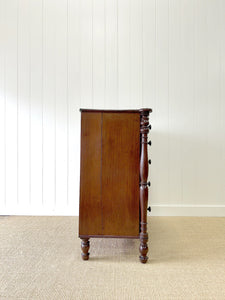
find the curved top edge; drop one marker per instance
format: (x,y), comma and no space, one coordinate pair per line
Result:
(142,110)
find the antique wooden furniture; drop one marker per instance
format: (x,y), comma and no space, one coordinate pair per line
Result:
(113,176)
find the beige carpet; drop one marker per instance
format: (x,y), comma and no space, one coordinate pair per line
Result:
(40,259)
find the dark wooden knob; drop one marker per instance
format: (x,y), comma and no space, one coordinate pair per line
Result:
(149,208)
(149,161)
(150,143)
(150,127)
(149,183)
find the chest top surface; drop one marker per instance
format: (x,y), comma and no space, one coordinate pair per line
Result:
(142,110)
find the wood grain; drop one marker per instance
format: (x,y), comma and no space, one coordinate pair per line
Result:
(120,175)
(109,184)
(90,179)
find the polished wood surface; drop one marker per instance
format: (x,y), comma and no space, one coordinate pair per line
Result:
(138,111)
(90,211)
(120,179)
(108,193)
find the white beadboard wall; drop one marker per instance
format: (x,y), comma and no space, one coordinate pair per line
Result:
(59,55)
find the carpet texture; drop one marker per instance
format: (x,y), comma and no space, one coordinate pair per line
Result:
(40,259)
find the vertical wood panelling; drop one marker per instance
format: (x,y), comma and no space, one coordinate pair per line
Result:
(61,104)
(74,101)
(222,91)
(187,110)
(123,53)
(111,66)
(2,103)
(148,52)
(58,56)
(136,48)
(35,25)
(174,106)
(98,53)
(201,83)
(161,108)
(86,50)
(23,104)
(49,104)
(11,101)
(214,111)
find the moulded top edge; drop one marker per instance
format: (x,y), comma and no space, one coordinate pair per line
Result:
(149,110)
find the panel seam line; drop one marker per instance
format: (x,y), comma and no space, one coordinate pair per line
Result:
(101,177)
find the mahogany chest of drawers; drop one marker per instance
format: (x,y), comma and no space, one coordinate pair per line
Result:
(113,176)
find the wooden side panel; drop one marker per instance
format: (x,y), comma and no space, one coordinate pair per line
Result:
(120,173)
(90,175)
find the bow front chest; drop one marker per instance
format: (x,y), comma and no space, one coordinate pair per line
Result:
(113,176)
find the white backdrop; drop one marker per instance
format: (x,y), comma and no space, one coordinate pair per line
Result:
(57,56)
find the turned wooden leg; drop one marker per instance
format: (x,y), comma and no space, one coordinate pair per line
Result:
(144,129)
(85,245)
(143,234)
(143,246)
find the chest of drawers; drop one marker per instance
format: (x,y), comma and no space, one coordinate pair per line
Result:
(113,176)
